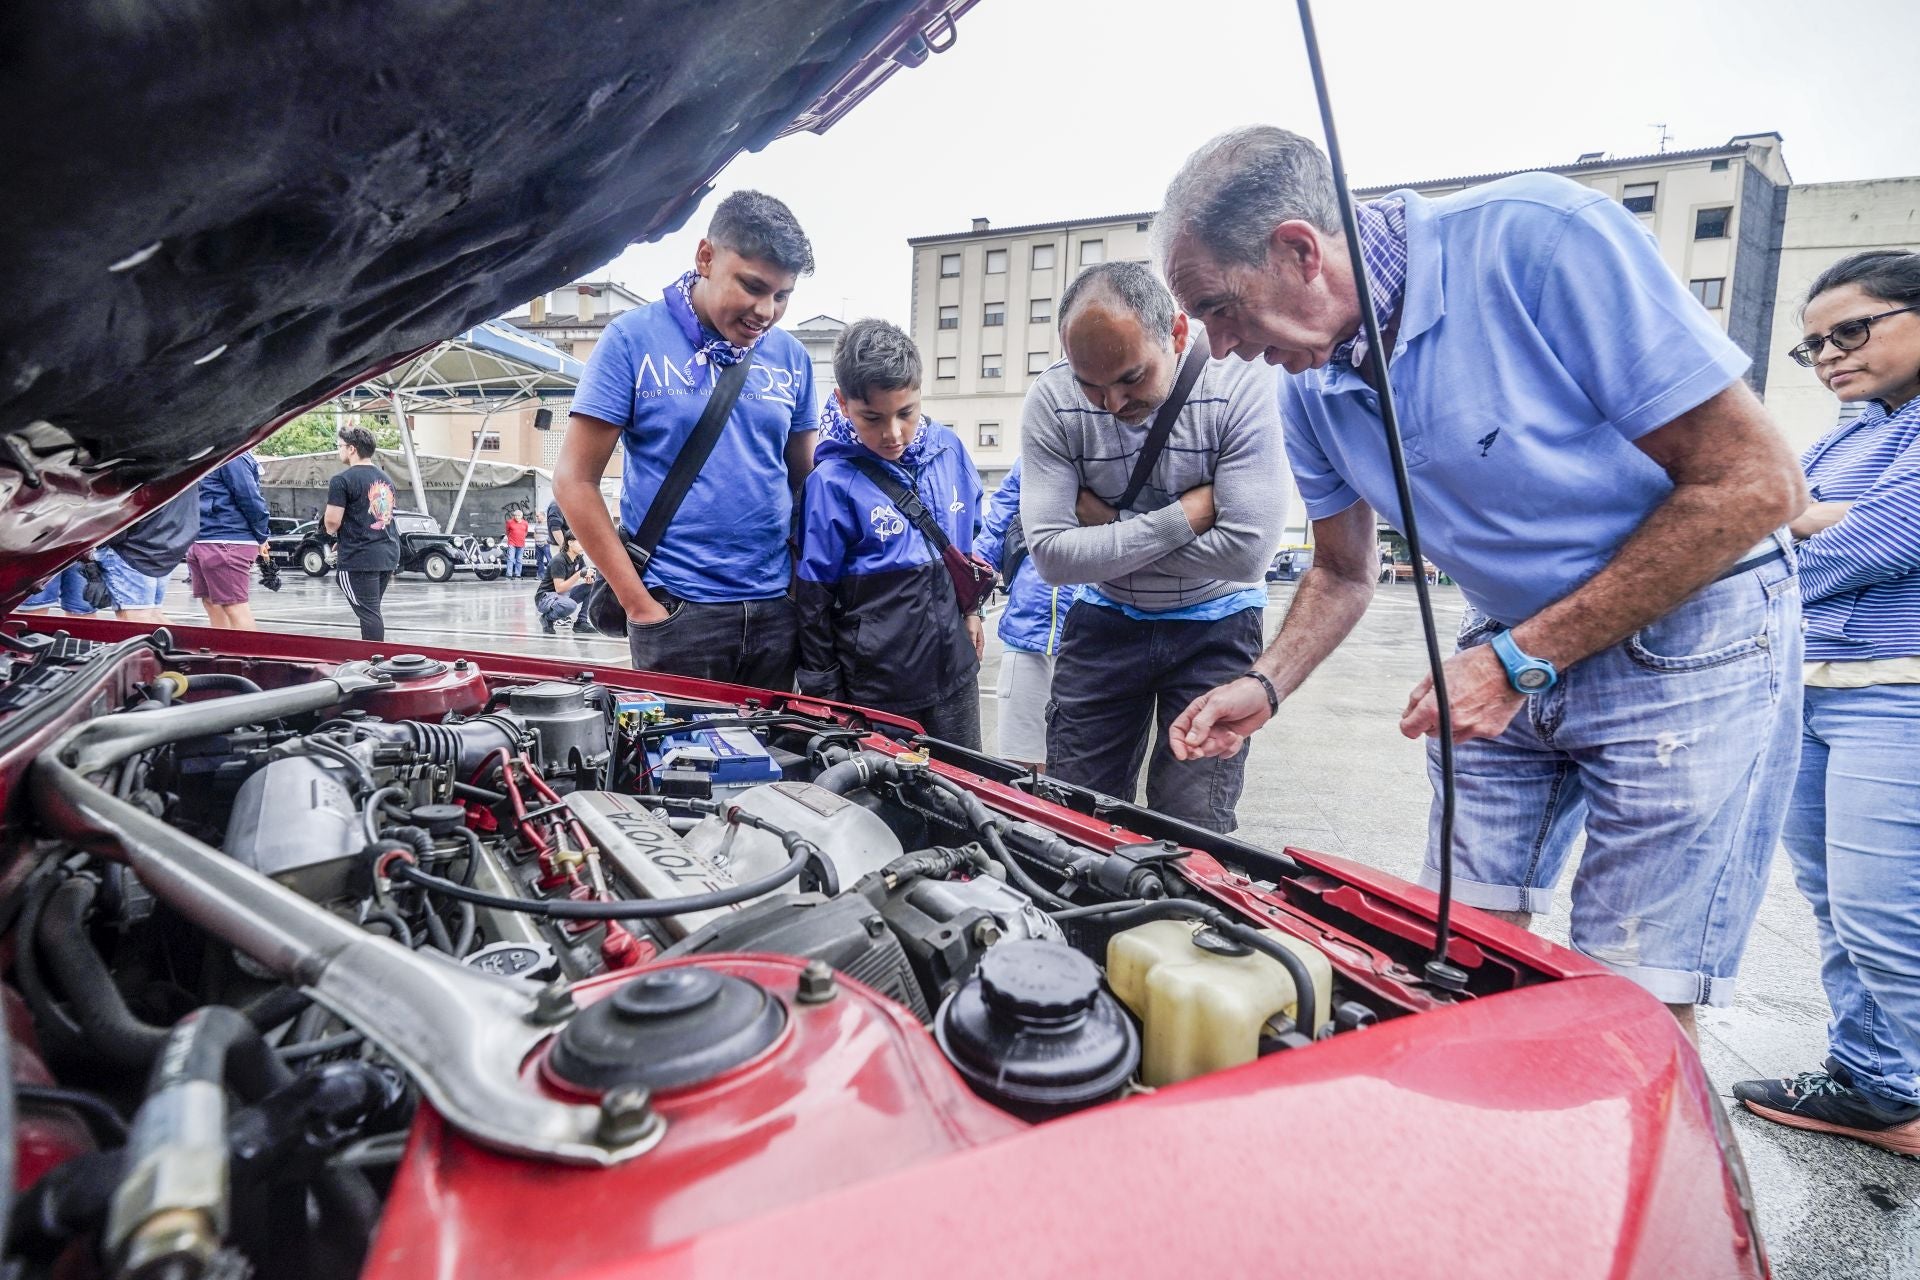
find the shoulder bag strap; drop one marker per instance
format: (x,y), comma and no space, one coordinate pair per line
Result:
(906,501)
(686,467)
(1163,426)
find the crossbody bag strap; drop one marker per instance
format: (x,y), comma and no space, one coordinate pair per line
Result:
(1163,426)
(906,501)
(686,467)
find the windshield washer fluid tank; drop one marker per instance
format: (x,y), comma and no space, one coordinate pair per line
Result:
(1202,999)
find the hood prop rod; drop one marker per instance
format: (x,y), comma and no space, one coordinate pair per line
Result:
(1440,972)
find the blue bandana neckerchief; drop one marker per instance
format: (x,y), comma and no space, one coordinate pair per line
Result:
(835,426)
(708,347)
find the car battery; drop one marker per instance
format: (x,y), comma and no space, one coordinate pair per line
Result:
(711,763)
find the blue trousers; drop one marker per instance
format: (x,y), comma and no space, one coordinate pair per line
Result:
(1853,833)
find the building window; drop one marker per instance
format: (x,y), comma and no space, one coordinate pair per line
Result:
(1708,291)
(1638,196)
(949,317)
(996,262)
(1092,251)
(1043,257)
(1711,224)
(990,367)
(947,367)
(989,435)
(949,264)
(488,441)
(1040,311)
(1037,361)
(1720,165)
(995,315)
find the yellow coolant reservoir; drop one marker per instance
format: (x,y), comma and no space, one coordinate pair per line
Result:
(1200,1009)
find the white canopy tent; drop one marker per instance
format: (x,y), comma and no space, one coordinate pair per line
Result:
(491,368)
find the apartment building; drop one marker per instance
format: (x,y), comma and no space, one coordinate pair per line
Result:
(983,299)
(983,318)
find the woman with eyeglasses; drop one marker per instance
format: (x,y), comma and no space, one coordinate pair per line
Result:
(1853,829)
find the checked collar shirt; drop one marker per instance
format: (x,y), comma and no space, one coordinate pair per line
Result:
(1383,244)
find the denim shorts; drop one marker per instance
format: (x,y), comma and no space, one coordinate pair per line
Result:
(1674,751)
(68,589)
(131,588)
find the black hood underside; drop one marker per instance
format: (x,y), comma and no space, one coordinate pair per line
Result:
(214,213)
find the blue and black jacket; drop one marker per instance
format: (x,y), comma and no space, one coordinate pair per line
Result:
(1035,611)
(879,625)
(231,507)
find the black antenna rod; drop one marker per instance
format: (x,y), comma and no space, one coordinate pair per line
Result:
(1440,972)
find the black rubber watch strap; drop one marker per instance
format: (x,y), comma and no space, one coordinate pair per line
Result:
(1273,694)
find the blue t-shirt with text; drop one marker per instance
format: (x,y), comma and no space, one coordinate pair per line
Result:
(728,541)
(1540,335)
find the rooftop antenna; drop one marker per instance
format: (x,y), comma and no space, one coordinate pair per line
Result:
(1665,137)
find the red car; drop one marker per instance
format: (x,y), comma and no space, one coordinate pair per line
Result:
(327,960)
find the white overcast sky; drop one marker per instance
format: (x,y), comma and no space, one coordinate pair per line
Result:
(1049,109)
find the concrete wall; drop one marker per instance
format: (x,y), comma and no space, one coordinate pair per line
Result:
(1826,222)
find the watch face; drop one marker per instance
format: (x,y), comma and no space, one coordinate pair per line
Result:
(1532,681)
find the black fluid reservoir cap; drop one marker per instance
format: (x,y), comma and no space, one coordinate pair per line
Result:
(409,666)
(1033,1032)
(438,819)
(667,1029)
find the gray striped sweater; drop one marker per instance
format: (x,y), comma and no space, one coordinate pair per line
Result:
(1228,434)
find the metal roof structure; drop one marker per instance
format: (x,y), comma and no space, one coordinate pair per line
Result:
(490,368)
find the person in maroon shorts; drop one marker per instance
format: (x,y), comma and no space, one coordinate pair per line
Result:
(233,534)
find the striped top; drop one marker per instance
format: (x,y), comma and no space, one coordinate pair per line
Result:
(1860,578)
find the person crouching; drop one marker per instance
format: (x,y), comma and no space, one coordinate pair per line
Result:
(880,621)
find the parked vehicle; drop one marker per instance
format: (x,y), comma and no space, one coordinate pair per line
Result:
(326,960)
(424,549)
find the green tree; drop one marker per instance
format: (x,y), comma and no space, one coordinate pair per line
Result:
(313,433)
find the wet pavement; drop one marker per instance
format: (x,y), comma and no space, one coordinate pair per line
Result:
(1334,774)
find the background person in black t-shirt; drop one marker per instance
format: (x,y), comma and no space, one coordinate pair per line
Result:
(563,587)
(360,514)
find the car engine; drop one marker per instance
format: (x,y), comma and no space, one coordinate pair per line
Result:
(374,885)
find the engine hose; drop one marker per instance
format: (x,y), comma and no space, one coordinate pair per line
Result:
(858,771)
(395,925)
(932,864)
(437,936)
(1126,914)
(419,837)
(56,1027)
(334,751)
(106,1023)
(475,852)
(987,826)
(801,849)
(271,1008)
(224,681)
(104,1121)
(469,925)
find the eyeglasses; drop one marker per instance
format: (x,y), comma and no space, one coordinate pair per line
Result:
(1848,335)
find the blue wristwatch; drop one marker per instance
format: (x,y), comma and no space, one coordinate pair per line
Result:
(1527,674)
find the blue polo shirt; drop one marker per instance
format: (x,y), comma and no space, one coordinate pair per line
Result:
(729,539)
(1540,336)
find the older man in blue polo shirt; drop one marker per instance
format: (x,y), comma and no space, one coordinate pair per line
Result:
(1591,470)
(713,600)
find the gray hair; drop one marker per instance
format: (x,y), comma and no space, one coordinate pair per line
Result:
(755,225)
(1231,193)
(1130,284)
(872,355)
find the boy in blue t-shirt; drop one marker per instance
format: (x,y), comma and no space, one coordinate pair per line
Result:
(880,624)
(713,600)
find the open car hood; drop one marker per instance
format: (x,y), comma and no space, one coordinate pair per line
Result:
(218,214)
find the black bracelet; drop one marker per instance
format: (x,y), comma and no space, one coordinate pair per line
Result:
(1273,694)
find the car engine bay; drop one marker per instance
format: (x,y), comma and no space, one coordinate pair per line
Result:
(344,893)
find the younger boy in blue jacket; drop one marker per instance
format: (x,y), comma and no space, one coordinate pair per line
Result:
(880,625)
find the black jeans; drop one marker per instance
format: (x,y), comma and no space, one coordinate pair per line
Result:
(1119,683)
(954,718)
(750,642)
(364,589)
